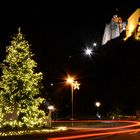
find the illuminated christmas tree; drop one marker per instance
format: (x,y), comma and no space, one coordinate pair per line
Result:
(20,86)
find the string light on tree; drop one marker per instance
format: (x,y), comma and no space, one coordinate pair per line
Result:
(20,86)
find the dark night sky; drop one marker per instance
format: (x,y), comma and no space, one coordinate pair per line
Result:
(57,31)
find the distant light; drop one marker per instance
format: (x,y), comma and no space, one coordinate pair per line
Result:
(94,44)
(88,51)
(52,84)
(99,116)
(124,28)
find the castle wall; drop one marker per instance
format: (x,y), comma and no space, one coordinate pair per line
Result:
(132,23)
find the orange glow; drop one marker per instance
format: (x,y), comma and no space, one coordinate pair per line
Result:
(94,135)
(132,23)
(70,80)
(94,132)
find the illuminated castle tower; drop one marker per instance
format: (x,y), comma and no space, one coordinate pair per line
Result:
(137,32)
(133,23)
(116,26)
(113,29)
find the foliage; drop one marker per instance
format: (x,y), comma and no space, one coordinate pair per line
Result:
(20,86)
(114,114)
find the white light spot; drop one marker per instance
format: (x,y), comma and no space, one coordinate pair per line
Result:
(88,51)
(51,84)
(94,44)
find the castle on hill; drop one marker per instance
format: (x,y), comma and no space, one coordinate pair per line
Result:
(117,25)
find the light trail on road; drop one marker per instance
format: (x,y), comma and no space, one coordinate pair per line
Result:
(95,132)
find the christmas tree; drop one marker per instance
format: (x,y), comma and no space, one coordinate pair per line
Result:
(20,86)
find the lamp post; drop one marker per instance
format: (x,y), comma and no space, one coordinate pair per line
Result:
(98,104)
(74,85)
(50,108)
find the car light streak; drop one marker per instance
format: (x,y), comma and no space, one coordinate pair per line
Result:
(133,124)
(93,132)
(93,135)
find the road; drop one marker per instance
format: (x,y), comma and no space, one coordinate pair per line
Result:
(89,130)
(123,130)
(124,137)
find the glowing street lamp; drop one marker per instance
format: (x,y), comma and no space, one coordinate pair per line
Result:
(74,85)
(70,80)
(98,104)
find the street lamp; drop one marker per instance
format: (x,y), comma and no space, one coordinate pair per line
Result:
(50,108)
(98,104)
(74,85)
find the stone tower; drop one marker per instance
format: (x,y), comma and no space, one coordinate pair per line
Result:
(113,29)
(132,23)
